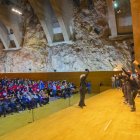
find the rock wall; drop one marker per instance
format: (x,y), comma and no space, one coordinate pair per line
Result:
(91,47)
(32,56)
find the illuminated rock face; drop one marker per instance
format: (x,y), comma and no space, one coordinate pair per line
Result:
(32,56)
(91,48)
(83,55)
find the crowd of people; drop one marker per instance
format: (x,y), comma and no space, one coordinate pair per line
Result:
(20,94)
(116,80)
(129,82)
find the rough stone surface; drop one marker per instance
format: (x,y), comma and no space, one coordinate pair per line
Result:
(32,55)
(90,49)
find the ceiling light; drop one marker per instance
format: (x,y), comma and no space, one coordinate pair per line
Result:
(16,11)
(115,4)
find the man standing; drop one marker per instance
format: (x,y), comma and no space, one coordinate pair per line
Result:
(132,85)
(83,88)
(113,81)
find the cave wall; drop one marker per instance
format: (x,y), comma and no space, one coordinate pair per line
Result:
(91,47)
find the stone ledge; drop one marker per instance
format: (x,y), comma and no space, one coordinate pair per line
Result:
(120,37)
(12,49)
(58,43)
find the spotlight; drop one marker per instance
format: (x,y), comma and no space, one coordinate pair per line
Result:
(115,4)
(16,11)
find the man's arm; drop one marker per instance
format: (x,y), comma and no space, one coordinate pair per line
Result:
(126,72)
(86,74)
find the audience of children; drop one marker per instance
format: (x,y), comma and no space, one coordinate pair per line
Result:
(20,94)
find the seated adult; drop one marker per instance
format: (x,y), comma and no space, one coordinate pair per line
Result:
(1,112)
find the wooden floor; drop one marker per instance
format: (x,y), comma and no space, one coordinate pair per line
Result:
(104,118)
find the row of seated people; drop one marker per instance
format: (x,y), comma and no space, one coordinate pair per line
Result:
(21,94)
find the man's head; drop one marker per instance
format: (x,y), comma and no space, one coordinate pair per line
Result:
(123,74)
(82,75)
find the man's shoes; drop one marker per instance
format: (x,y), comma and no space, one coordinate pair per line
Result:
(133,109)
(80,106)
(125,102)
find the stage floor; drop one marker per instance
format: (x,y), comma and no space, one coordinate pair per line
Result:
(104,118)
